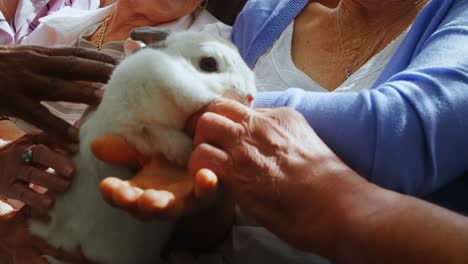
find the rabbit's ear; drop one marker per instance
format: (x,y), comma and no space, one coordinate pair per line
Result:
(149,35)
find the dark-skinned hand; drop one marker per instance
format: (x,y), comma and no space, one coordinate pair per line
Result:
(33,74)
(16,175)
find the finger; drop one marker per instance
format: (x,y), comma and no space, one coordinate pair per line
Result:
(21,191)
(108,186)
(6,211)
(127,200)
(217,130)
(84,54)
(27,212)
(116,150)
(156,202)
(262,110)
(208,157)
(74,68)
(52,143)
(206,183)
(39,116)
(56,89)
(126,196)
(17,205)
(33,175)
(231,109)
(191,123)
(63,166)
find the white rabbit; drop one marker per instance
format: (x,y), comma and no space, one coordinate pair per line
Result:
(148,99)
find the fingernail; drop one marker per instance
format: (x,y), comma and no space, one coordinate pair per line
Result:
(99,93)
(74,133)
(162,201)
(132,194)
(139,191)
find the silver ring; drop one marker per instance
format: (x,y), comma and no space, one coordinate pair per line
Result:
(27,155)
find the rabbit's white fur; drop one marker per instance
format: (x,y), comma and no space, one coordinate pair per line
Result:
(148,99)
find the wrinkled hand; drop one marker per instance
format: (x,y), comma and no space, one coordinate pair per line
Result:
(16,175)
(159,189)
(32,74)
(273,163)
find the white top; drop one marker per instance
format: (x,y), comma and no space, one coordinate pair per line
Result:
(275,70)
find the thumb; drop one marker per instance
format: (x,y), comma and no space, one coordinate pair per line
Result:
(206,185)
(116,150)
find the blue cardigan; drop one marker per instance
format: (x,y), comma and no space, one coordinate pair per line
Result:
(409,132)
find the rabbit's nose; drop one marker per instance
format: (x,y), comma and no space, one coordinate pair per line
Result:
(234,95)
(248,100)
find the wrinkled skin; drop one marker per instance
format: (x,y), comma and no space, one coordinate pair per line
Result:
(16,175)
(273,164)
(270,160)
(32,74)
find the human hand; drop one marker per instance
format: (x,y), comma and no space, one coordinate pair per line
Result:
(16,175)
(159,189)
(33,74)
(277,169)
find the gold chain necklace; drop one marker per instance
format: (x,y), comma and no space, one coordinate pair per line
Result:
(102,31)
(348,69)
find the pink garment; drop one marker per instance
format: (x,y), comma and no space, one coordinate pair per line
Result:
(29,12)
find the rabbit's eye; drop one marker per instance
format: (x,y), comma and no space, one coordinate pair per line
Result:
(209,64)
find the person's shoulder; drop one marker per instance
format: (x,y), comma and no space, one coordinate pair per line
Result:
(264,9)
(260,23)
(450,10)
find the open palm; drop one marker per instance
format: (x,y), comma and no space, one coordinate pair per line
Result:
(159,189)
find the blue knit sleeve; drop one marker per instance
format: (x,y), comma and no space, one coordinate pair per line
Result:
(409,134)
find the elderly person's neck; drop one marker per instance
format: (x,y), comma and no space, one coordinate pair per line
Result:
(127,17)
(383,6)
(377,10)
(133,14)
(333,39)
(375,20)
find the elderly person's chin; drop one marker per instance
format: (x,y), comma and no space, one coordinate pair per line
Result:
(167,10)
